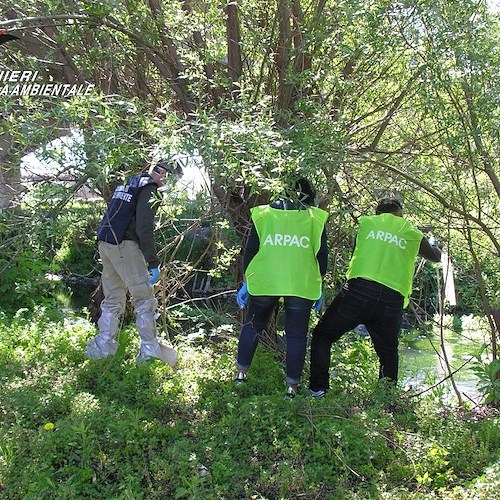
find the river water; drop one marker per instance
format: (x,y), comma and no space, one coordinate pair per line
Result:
(422,362)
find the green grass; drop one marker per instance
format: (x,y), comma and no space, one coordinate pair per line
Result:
(74,428)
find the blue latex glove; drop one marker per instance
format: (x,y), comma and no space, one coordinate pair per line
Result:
(317,305)
(155,275)
(242,296)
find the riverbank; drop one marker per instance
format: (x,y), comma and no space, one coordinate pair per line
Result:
(75,428)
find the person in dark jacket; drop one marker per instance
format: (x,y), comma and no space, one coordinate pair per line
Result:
(285,256)
(378,288)
(130,262)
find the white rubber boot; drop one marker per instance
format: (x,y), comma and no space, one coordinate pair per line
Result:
(104,344)
(151,345)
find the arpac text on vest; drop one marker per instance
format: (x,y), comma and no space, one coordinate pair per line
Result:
(387,237)
(287,240)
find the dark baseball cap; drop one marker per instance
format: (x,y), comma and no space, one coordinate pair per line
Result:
(171,167)
(6,37)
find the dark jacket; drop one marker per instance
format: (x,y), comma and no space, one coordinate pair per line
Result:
(429,252)
(141,226)
(130,216)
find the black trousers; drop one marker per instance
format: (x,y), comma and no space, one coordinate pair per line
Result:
(297,313)
(378,307)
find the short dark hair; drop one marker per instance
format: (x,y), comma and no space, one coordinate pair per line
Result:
(305,190)
(389,206)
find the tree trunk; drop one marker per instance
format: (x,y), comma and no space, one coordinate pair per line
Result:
(10,173)
(233,44)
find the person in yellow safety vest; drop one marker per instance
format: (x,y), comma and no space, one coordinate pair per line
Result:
(285,256)
(378,288)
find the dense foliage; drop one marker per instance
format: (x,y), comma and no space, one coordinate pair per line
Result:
(366,98)
(70,427)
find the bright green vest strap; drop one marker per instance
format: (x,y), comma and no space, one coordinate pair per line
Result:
(386,247)
(286,263)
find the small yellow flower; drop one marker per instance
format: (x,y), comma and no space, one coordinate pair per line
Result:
(48,426)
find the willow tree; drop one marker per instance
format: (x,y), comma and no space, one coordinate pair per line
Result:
(365,97)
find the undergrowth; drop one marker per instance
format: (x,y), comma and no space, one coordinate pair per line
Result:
(74,428)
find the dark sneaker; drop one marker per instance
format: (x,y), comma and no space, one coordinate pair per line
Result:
(241,377)
(320,393)
(290,392)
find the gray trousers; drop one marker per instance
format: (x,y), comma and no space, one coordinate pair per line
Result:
(124,268)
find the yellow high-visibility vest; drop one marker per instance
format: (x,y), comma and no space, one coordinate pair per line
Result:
(386,247)
(286,263)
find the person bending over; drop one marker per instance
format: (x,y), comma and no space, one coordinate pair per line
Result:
(378,288)
(285,256)
(130,263)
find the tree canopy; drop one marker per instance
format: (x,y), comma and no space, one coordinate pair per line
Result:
(364,97)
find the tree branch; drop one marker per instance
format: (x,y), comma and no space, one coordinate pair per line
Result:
(233,42)
(444,202)
(395,106)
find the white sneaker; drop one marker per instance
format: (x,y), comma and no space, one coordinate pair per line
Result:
(320,393)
